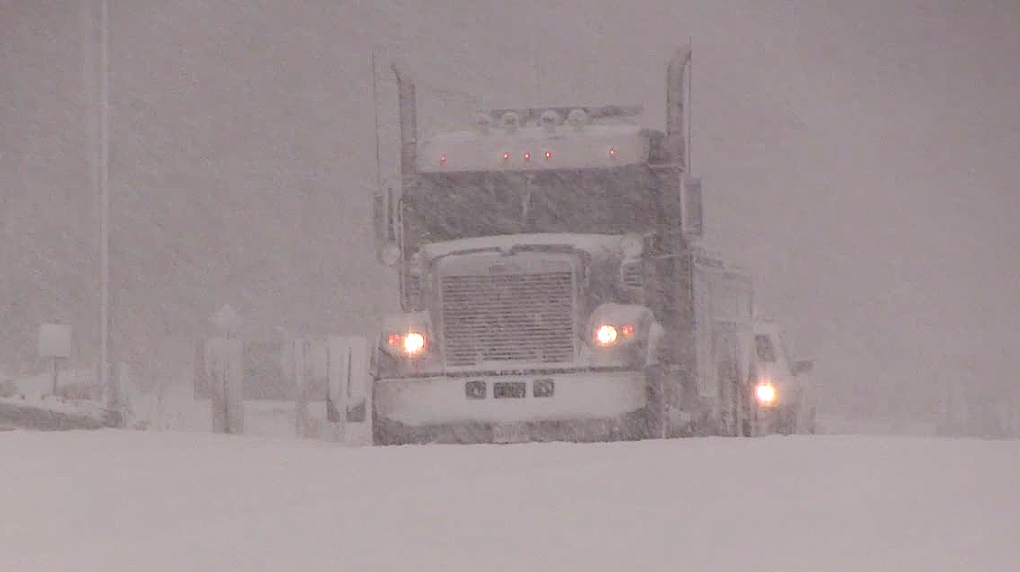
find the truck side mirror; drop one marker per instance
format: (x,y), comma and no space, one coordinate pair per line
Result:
(802,366)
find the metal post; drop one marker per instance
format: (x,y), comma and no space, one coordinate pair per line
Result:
(378,135)
(690,108)
(104,203)
(298,368)
(536,78)
(949,419)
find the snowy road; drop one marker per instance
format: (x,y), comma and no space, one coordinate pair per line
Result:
(145,501)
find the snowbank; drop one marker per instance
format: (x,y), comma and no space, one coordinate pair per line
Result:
(154,501)
(30,403)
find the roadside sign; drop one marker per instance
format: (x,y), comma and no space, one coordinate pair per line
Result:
(55,341)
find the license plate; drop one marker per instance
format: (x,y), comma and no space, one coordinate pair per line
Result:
(509,434)
(509,389)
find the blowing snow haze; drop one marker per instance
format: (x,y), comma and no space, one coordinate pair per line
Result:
(859,159)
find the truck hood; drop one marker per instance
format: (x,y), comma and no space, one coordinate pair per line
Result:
(596,245)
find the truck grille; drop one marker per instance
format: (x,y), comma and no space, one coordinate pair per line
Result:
(508,317)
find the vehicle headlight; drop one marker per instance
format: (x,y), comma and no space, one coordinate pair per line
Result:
(765,393)
(409,344)
(606,335)
(613,327)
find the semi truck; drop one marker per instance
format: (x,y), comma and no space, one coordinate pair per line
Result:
(552,283)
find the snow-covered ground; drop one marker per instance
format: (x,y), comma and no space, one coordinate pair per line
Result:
(837,425)
(132,500)
(29,401)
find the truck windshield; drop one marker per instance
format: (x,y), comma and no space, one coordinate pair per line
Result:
(447,206)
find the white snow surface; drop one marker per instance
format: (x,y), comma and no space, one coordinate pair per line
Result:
(131,500)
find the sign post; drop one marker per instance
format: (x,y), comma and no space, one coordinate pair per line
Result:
(224,366)
(299,349)
(55,344)
(224,357)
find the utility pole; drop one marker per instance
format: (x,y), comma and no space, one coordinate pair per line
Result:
(104,206)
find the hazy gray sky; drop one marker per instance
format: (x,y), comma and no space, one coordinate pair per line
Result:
(860,159)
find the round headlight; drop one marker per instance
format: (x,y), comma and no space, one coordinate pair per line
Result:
(765,393)
(408,344)
(606,335)
(414,343)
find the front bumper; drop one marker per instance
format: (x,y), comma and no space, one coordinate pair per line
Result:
(509,399)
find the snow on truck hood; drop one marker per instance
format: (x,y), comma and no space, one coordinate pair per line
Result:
(594,244)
